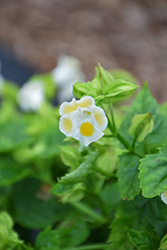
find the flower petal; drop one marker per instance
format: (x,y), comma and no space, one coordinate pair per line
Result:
(86,102)
(164,197)
(68,107)
(66,125)
(100,117)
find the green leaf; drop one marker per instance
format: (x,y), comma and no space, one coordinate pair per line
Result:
(49,143)
(145,103)
(9,90)
(47,240)
(163,243)
(153,173)
(128,175)
(60,189)
(13,135)
(110,197)
(141,215)
(82,171)
(33,212)
(11,172)
(72,231)
(8,238)
(143,240)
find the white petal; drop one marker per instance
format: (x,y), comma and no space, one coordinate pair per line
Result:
(66,125)
(86,140)
(164,197)
(68,107)
(100,117)
(86,102)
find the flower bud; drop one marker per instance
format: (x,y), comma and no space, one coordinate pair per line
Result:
(104,76)
(81,89)
(142,125)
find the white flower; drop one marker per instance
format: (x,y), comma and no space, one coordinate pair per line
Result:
(31,96)
(164,197)
(82,120)
(67,72)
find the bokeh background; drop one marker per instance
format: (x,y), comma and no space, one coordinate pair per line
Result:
(117,33)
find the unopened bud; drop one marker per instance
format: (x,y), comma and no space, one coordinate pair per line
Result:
(142,125)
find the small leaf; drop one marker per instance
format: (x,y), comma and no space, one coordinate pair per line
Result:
(82,171)
(47,240)
(72,231)
(60,189)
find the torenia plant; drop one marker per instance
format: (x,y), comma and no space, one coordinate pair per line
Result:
(140,170)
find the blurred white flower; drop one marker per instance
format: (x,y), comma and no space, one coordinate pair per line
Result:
(31,96)
(164,197)
(67,72)
(82,120)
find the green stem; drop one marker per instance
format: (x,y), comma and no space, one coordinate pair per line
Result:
(112,118)
(128,146)
(134,141)
(103,172)
(88,247)
(88,211)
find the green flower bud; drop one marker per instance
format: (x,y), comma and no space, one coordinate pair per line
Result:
(118,90)
(104,76)
(142,125)
(82,89)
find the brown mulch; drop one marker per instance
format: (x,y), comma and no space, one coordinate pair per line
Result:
(117,33)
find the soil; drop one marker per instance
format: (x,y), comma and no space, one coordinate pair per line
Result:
(128,34)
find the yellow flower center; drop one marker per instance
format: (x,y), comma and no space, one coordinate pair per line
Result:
(87,129)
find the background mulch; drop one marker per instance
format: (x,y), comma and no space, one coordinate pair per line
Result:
(128,34)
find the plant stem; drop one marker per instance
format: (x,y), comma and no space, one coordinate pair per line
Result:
(128,146)
(103,172)
(88,211)
(112,117)
(88,247)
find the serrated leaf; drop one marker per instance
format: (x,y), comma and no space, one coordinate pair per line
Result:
(143,240)
(128,176)
(47,240)
(141,214)
(145,103)
(153,173)
(82,171)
